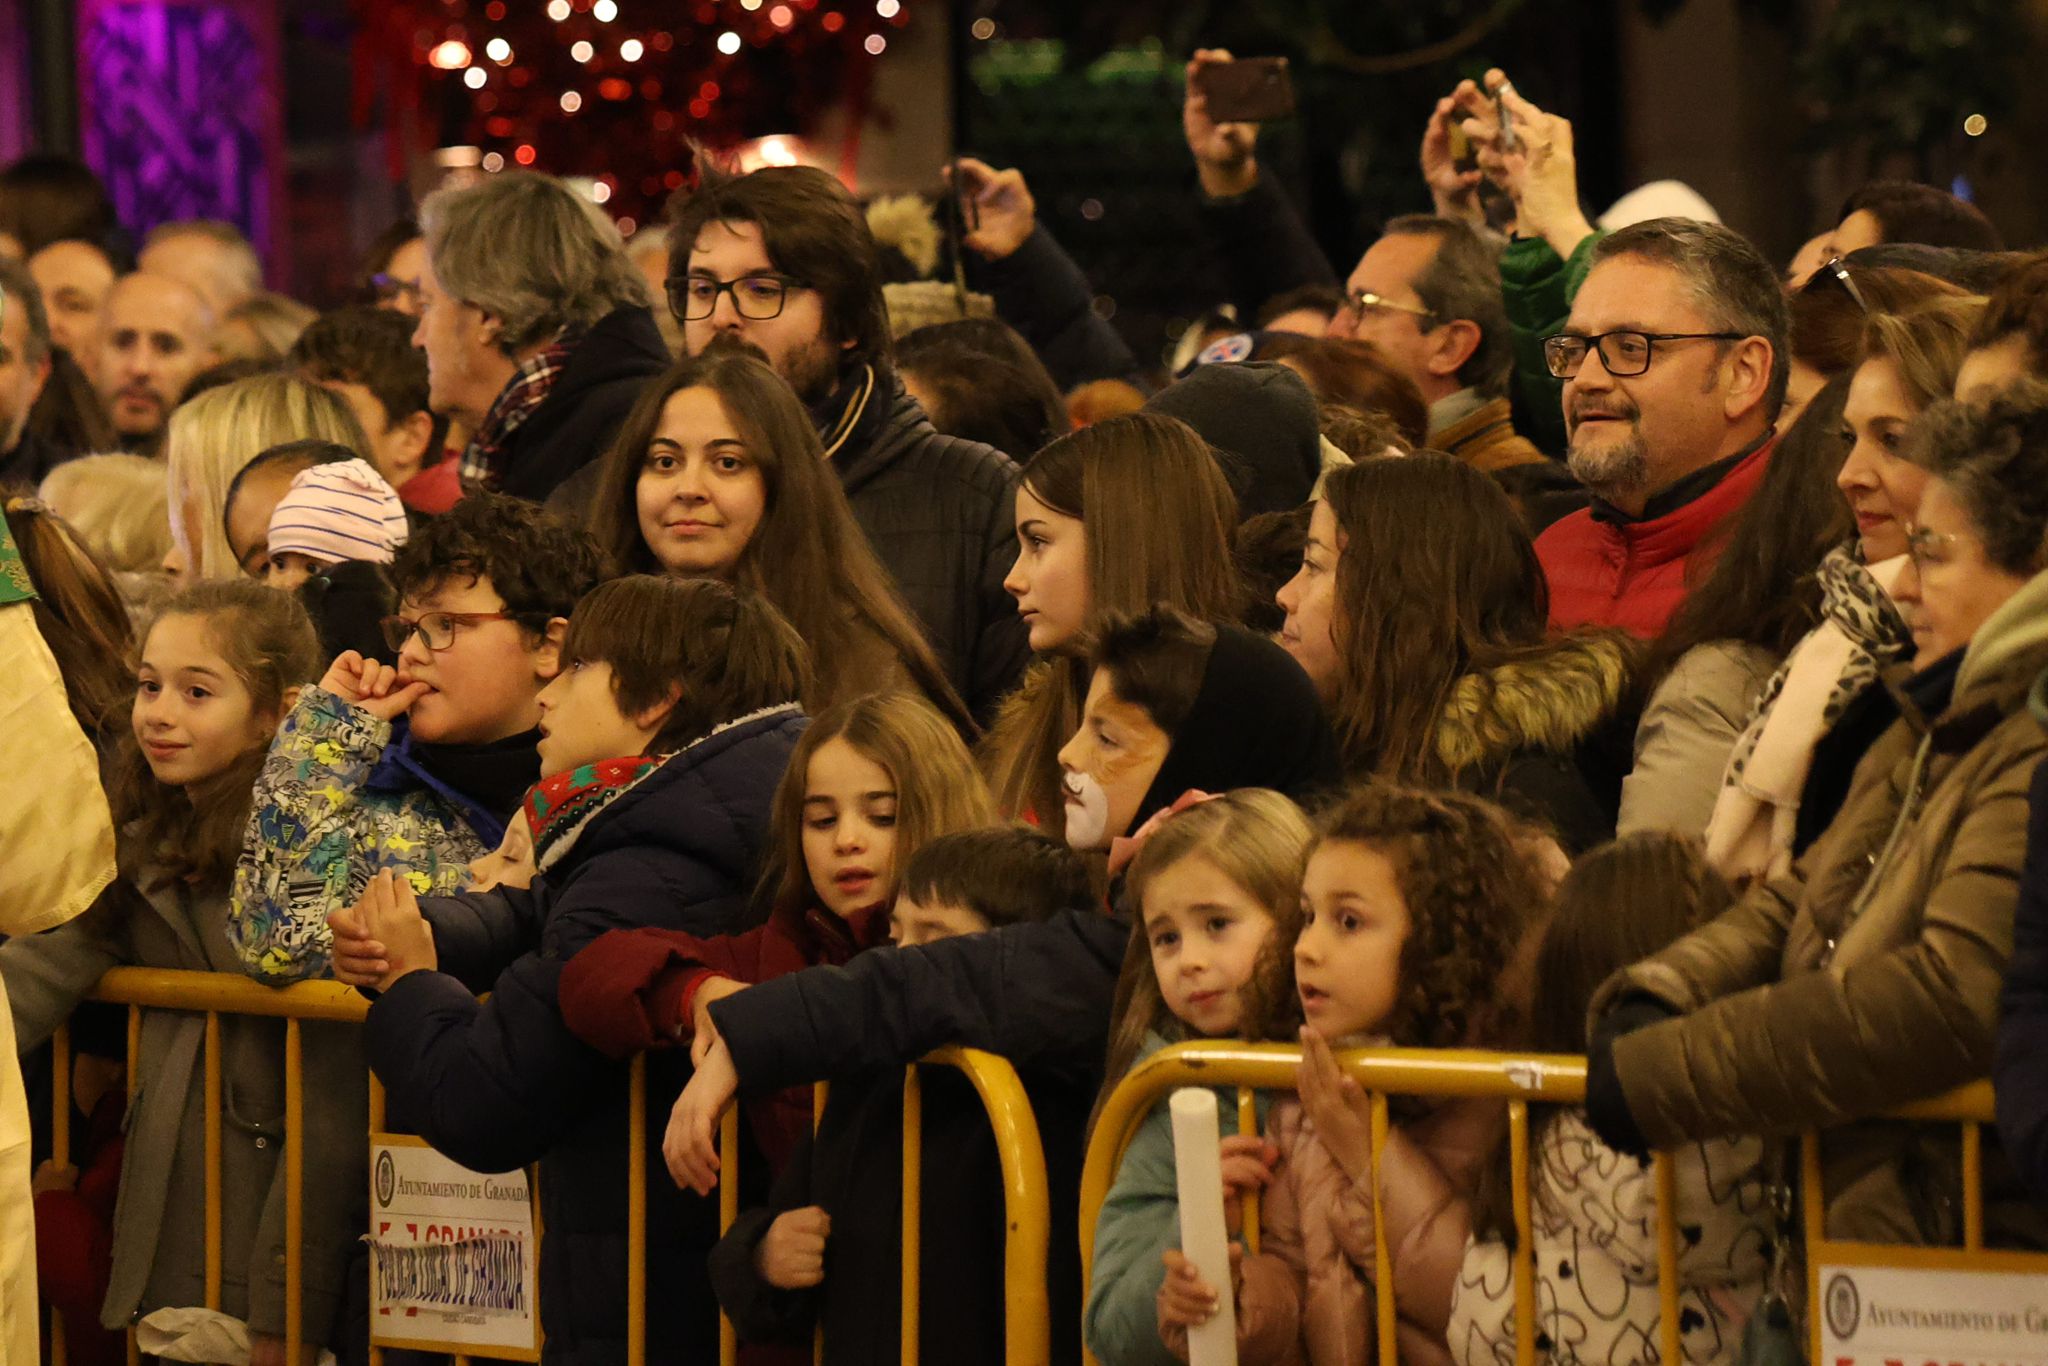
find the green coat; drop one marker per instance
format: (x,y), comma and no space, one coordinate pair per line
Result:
(1538,288)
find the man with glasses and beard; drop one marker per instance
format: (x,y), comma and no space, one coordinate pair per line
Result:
(781,262)
(1674,361)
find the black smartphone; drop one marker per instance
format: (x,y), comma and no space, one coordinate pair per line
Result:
(966,211)
(1253,90)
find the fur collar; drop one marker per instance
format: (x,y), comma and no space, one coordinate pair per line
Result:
(1551,702)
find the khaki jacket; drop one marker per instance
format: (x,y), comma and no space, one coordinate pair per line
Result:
(1868,976)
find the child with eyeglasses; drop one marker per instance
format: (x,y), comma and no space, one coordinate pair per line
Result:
(414,763)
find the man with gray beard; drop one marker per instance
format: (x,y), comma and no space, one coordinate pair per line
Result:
(1674,361)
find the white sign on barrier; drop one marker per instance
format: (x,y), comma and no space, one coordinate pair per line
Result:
(1895,1316)
(452,1255)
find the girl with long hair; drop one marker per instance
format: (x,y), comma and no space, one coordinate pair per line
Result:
(1420,612)
(1116,517)
(719,473)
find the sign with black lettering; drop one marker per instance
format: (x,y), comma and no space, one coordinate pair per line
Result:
(452,1255)
(1896,1316)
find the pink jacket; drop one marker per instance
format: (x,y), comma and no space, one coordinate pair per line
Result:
(1308,1296)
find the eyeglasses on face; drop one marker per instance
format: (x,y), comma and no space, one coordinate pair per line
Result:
(1930,549)
(437,629)
(1624,354)
(390,288)
(1363,303)
(757,297)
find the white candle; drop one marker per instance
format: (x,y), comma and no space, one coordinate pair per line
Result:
(1198,1166)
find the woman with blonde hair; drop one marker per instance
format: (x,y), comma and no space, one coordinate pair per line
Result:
(211,438)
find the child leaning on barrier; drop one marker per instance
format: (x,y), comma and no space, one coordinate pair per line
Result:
(1215,898)
(826,1249)
(413,765)
(1413,904)
(1593,1211)
(219,668)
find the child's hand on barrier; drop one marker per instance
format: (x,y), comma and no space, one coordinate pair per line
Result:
(1247,1166)
(1185,1299)
(394,919)
(791,1255)
(712,989)
(1335,1104)
(691,1144)
(357,955)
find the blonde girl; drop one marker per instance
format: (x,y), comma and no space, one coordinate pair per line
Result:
(1215,901)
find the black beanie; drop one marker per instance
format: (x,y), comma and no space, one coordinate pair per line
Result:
(1256,722)
(1261,420)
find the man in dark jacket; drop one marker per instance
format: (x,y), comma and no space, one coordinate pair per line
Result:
(781,260)
(24,368)
(536,327)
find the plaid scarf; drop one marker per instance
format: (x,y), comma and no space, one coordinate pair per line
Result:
(515,403)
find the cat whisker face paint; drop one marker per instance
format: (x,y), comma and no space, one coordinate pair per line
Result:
(1109,765)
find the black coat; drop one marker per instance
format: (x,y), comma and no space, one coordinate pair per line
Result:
(1264,247)
(2021,1069)
(32,458)
(502,1083)
(940,513)
(1038,994)
(583,411)
(1041,292)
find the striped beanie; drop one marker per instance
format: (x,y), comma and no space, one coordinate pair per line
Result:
(343,511)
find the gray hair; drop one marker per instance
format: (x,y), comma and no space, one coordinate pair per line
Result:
(531,252)
(1461,283)
(1731,283)
(243,274)
(20,290)
(1994,459)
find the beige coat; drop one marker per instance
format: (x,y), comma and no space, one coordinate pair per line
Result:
(1869,975)
(56,855)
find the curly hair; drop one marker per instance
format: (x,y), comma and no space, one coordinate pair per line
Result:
(540,564)
(1994,460)
(1470,890)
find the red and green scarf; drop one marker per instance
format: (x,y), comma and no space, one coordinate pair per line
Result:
(558,807)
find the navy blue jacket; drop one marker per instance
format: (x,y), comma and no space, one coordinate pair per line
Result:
(502,1083)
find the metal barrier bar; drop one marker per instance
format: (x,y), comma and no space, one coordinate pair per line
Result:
(1248,1123)
(1523,1262)
(636,1212)
(912,1225)
(1382,1255)
(1973,1187)
(376,1127)
(134,1084)
(212,1197)
(294,1189)
(1672,1343)
(60,1148)
(728,1210)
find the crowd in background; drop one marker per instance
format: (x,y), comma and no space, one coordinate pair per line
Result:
(794,640)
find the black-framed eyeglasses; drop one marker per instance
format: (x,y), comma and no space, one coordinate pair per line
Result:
(1624,353)
(1836,269)
(756,297)
(438,629)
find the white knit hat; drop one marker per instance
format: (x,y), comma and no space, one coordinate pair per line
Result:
(343,511)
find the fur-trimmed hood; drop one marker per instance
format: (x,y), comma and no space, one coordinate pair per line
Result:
(1551,702)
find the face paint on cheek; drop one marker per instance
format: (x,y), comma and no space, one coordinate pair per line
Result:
(1087,812)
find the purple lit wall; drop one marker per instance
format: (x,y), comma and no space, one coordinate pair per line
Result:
(179,111)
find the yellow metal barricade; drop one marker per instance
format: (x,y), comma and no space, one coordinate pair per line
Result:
(1519,1080)
(1027,1327)
(215,995)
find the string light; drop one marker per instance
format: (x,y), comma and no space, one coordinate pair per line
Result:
(875,44)
(600,192)
(582,50)
(1975,125)
(887,8)
(452,55)
(604,11)
(631,50)
(524,154)
(558,10)
(474,78)
(494,161)
(498,50)
(571,101)
(984,29)
(728,42)
(781,16)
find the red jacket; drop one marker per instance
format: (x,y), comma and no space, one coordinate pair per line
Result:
(1634,575)
(632,990)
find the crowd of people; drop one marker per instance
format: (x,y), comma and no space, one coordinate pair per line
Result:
(776,649)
